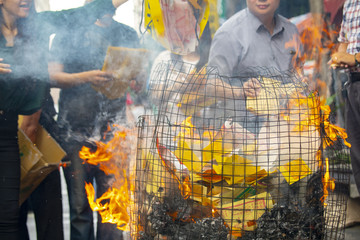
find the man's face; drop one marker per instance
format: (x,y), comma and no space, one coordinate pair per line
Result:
(263,8)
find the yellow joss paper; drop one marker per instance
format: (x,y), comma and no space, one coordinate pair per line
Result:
(153,18)
(266,102)
(295,170)
(156,175)
(195,105)
(199,193)
(235,168)
(263,104)
(249,149)
(187,156)
(228,195)
(192,161)
(216,149)
(242,215)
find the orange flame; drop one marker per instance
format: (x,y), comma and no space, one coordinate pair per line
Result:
(317,38)
(112,205)
(315,113)
(105,152)
(318,115)
(328,183)
(114,157)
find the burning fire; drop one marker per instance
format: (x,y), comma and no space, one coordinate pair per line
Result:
(112,205)
(317,114)
(314,112)
(114,157)
(328,183)
(316,36)
(318,42)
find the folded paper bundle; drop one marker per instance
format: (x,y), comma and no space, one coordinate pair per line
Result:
(126,64)
(37,160)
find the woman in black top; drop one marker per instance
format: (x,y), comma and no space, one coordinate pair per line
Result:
(24,41)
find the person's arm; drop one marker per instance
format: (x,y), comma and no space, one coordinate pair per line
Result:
(30,125)
(218,87)
(63,79)
(53,21)
(343,59)
(343,47)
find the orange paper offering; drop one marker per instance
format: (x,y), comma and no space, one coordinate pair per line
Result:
(125,64)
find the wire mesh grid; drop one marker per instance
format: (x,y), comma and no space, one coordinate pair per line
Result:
(216,162)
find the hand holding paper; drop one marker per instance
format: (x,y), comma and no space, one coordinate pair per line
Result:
(125,64)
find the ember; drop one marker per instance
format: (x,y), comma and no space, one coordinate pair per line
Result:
(290,220)
(181,225)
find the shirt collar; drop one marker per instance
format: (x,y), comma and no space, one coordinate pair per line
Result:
(258,25)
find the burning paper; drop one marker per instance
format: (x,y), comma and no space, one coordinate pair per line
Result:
(242,215)
(236,169)
(269,101)
(195,152)
(295,170)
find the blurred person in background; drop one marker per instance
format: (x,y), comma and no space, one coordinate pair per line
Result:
(255,37)
(24,45)
(77,55)
(255,41)
(347,56)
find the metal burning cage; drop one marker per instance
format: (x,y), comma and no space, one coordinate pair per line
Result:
(215,164)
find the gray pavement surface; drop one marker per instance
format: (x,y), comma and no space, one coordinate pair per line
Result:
(352,233)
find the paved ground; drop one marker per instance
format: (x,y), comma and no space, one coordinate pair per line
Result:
(352,233)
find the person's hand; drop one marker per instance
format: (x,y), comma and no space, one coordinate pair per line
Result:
(4,68)
(251,88)
(97,77)
(342,60)
(117,3)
